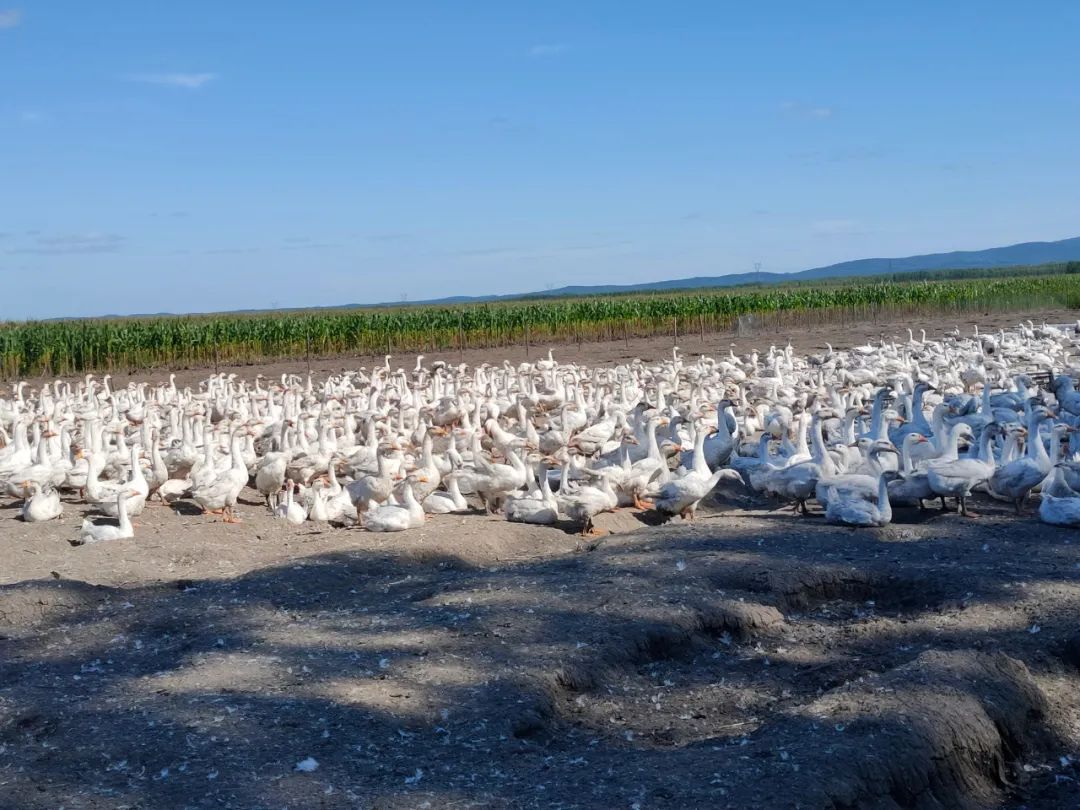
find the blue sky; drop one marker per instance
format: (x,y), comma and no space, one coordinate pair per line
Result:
(205,156)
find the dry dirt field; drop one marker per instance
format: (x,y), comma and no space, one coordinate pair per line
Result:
(749,659)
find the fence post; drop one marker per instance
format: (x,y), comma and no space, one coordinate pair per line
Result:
(307,349)
(675,328)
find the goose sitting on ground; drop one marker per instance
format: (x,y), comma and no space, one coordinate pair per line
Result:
(41,504)
(854,510)
(1059,504)
(290,509)
(92,532)
(394,518)
(543,511)
(855,485)
(449,502)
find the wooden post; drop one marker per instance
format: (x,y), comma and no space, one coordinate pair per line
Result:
(526,340)
(701,323)
(461,337)
(307,351)
(675,328)
(626,333)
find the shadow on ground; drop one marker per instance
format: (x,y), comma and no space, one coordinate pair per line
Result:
(737,663)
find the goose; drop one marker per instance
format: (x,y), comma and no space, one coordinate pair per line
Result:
(317,512)
(719,446)
(393,518)
(746,466)
(1017,478)
(372,488)
(290,509)
(1059,504)
(40,504)
(497,480)
(102,496)
(42,469)
(681,496)
(956,479)
(445,503)
(798,482)
(270,474)
(859,512)
(92,532)
(218,496)
(585,503)
(854,485)
(542,510)
(650,472)
(911,488)
(159,473)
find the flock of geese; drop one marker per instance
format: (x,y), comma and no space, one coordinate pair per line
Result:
(859,432)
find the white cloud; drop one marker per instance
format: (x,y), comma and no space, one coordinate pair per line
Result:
(836,227)
(191,81)
(798,108)
(92,242)
(10,17)
(547,49)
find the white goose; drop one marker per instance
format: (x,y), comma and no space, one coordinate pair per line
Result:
(543,510)
(585,503)
(854,510)
(290,509)
(393,518)
(40,504)
(449,502)
(1059,504)
(92,532)
(956,479)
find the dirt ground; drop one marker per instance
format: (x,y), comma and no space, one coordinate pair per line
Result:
(749,659)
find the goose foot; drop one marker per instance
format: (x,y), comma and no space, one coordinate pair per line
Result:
(642,504)
(964,511)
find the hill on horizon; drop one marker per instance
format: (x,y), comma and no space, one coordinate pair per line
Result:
(1023,253)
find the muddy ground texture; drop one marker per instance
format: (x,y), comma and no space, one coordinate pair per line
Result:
(751,658)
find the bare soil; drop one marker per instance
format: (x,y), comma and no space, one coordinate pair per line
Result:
(749,659)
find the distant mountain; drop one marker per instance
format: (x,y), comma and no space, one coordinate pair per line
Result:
(1022,254)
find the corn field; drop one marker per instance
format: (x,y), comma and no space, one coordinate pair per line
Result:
(64,347)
